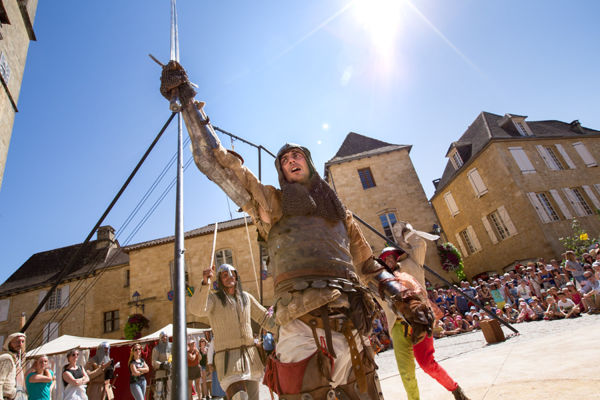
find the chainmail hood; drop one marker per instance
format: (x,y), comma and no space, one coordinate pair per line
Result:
(315,198)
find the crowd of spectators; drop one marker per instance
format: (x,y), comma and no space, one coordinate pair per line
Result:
(535,291)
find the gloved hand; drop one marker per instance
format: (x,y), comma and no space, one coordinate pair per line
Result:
(418,314)
(174,82)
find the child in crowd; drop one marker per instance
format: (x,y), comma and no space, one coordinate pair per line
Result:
(552,312)
(566,306)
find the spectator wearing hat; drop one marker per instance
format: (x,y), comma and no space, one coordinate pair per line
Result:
(526,314)
(405,350)
(596,268)
(537,308)
(12,380)
(524,292)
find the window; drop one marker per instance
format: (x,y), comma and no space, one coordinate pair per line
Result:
(224,256)
(477,183)
(597,186)
(452,207)
(456,160)
(522,160)
(521,128)
(561,204)
(58,299)
(544,208)
(387,221)
(590,193)
(126,278)
(50,332)
(565,156)
(585,155)
(4,306)
(111,321)
(467,240)
(366,178)
(498,225)
(550,157)
(578,201)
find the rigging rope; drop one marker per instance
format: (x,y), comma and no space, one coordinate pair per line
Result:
(252,256)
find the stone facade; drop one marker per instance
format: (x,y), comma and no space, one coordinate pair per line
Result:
(397,191)
(14,44)
(534,209)
(150,268)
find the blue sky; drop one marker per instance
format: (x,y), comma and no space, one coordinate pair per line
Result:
(308,71)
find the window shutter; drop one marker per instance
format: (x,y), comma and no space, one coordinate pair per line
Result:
(507,221)
(50,332)
(585,154)
(546,157)
(64,294)
(522,160)
(597,186)
(41,296)
(565,156)
(591,195)
(451,204)
(541,211)
(4,305)
(478,186)
(489,230)
(473,238)
(561,204)
(460,244)
(574,202)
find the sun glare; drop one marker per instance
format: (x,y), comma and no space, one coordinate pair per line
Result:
(381,20)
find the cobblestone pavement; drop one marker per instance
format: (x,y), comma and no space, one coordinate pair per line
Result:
(472,348)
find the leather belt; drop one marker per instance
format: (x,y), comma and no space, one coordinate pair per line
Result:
(335,324)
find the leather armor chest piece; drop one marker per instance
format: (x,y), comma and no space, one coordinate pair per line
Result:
(305,248)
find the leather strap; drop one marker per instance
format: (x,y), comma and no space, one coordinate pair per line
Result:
(340,272)
(357,366)
(325,318)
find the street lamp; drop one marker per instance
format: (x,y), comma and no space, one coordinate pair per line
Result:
(136,300)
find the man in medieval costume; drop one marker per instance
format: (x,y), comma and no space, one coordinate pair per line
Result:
(161,365)
(409,261)
(230,311)
(100,369)
(12,363)
(316,255)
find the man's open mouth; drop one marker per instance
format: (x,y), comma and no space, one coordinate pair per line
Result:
(296,169)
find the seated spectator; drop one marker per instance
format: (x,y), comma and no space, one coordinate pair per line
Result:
(510,313)
(476,319)
(553,291)
(566,306)
(591,293)
(497,294)
(560,279)
(526,314)
(596,268)
(552,312)
(524,292)
(537,309)
(574,295)
(449,327)
(438,329)
(546,276)
(463,325)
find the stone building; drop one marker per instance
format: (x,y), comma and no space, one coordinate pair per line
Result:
(96,299)
(16,30)
(378,182)
(96,285)
(512,187)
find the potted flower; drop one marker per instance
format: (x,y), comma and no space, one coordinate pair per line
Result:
(451,259)
(135,324)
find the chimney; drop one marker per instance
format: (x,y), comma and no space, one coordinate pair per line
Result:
(106,237)
(436,182)
(576,127)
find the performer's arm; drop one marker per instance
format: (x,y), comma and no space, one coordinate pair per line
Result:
(200,303)
(7,387)
(401,291)
(260,314)
(155,363)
